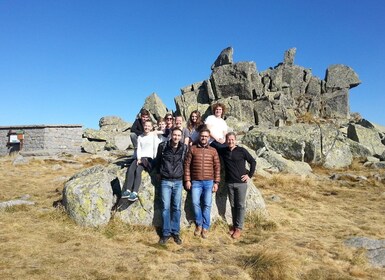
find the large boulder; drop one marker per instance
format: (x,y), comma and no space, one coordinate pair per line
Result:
(239,79)
(155,106)
(225,57)
(302,142)
(113,124)
(88,197)
(91,195)
(368,137)
(340,76)
(194,97)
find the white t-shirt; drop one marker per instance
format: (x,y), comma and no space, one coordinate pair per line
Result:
(217,126)
(147,145)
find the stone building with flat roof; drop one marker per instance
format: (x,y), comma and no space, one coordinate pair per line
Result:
(41,139)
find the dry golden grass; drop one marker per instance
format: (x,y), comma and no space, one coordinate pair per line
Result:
(302,238)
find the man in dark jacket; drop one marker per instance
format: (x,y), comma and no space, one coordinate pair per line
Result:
(169,166)
(137,127)
(202,176)
(234,159)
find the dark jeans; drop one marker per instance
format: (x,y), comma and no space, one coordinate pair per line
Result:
(237,197)
(134,139)
(133,177)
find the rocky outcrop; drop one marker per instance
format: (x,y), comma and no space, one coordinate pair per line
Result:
(114,134)
(92,196)
(273,97)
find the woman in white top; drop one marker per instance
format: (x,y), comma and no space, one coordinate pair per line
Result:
(146,151)
(217,126)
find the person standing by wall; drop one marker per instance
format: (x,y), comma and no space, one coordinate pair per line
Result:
(234,159)
(169,167)
(202,176)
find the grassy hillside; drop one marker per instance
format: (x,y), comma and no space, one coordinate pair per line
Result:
(301,239)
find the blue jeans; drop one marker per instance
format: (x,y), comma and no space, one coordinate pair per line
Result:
(171,192)
(201,192)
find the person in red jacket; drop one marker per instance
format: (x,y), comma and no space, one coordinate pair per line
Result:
(202,176)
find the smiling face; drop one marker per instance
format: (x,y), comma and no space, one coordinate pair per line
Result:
(231,141)
(176,136)
(193,117)
(169,121)
(178,122)
(144,118)
(204,137)
(162,125)
(218,112)
(147,127)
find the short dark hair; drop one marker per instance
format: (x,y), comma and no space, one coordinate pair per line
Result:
(231,133)
(176,128)
(144,112)
(204,129)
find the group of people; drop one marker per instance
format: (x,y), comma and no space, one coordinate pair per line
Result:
(191,158)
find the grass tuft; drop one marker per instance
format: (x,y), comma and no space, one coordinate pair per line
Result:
(269,264)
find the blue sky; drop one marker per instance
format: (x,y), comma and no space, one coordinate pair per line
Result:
(73,62)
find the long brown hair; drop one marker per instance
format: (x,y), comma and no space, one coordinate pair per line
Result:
(190,124)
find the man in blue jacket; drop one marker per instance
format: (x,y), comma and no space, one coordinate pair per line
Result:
(234,159)
(169,166)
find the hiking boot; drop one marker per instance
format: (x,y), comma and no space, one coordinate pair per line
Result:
(133,196)
(197,230)
(231,230)
(163,240)
(126,194)
(204,233)
(237,233)
(177,239)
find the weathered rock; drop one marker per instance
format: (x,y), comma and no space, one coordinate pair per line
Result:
(375,249)
(289,56)
(340,76)
(338,156)
(303,142)
(113,124)
(288,166)
(335,105)
(225,57)
(92,147)
(123,142)
(96,135)
(87,196)
(155,106)
(367,137)
(16,202)
(239,79)
(194,97)
(20,160)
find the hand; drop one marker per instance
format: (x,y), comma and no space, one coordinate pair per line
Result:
(245,178)
(215,187)
(158,177)
(188,185)
(138,162)
(221,140)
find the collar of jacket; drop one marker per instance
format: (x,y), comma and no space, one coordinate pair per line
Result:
(169,144)
(200,146)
